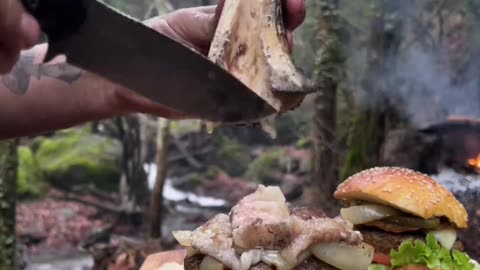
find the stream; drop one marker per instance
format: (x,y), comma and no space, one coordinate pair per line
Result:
(186,203)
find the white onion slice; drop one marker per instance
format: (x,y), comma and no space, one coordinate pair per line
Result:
(209,263)
(183,237)
(446,237)
(476,265)
(344,256)
(303,256)
(361,214)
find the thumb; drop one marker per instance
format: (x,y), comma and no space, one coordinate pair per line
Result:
(218,10)
(194,25)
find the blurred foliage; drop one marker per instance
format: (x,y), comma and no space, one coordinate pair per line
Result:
(233,157)
(30,178)
(263,168)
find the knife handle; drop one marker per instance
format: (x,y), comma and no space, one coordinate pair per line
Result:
(58,19)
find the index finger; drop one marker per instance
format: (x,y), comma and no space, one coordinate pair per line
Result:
(10,19)
(294,13)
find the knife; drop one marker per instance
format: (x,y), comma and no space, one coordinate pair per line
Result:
(96,37)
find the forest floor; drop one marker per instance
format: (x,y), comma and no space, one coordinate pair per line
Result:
(56,226)
(53,231)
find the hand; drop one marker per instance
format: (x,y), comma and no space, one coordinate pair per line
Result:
(195,28)
(18,31)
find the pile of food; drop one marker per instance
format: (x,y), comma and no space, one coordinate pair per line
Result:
(393,218)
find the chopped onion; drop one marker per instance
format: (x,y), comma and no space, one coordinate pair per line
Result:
(274,258)
(191,251)
(344,256)
(209,263)
(366,213)
(183,237)
(251,257)
(446,237)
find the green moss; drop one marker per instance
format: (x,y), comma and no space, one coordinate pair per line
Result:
(78,157)
(212,173)
(196,180)
(30,179)
(304,143)
(260,170)
(364,144)
(233,157)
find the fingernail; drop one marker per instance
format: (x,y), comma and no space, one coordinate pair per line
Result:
(30,30)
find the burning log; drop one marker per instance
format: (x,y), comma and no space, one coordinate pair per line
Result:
(475,162)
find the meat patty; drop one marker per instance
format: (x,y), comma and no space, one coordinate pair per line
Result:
(384,241)
(311,263)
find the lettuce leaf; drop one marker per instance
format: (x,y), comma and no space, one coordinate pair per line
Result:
(430,254)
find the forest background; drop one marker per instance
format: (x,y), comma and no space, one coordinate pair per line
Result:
(385,68)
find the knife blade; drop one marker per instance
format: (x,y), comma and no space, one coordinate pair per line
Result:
(96,37)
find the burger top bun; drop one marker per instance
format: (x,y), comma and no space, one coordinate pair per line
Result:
(406,190)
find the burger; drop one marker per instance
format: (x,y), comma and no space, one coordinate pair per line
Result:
(263,232)
(411,220)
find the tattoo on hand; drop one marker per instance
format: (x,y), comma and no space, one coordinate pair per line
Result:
(18,81)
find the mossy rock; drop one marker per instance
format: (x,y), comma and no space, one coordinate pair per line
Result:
(262,168)
(30,178)
(233,157)
(304,143)
(78,157)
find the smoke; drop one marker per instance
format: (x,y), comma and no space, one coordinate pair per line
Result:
(422,82)
(426,91)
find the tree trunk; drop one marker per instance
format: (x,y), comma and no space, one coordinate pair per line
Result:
(156,202)
(325,167)
(8,176)
(133,183)
(371,122)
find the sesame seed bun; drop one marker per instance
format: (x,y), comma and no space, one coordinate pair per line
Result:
(406,190)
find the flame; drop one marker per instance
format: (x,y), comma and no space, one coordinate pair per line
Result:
(475,162)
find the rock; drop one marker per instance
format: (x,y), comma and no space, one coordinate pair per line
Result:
(409,149)
(225,187)
(78,157)
(30,178)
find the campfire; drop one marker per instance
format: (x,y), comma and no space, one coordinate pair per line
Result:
(475,162)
